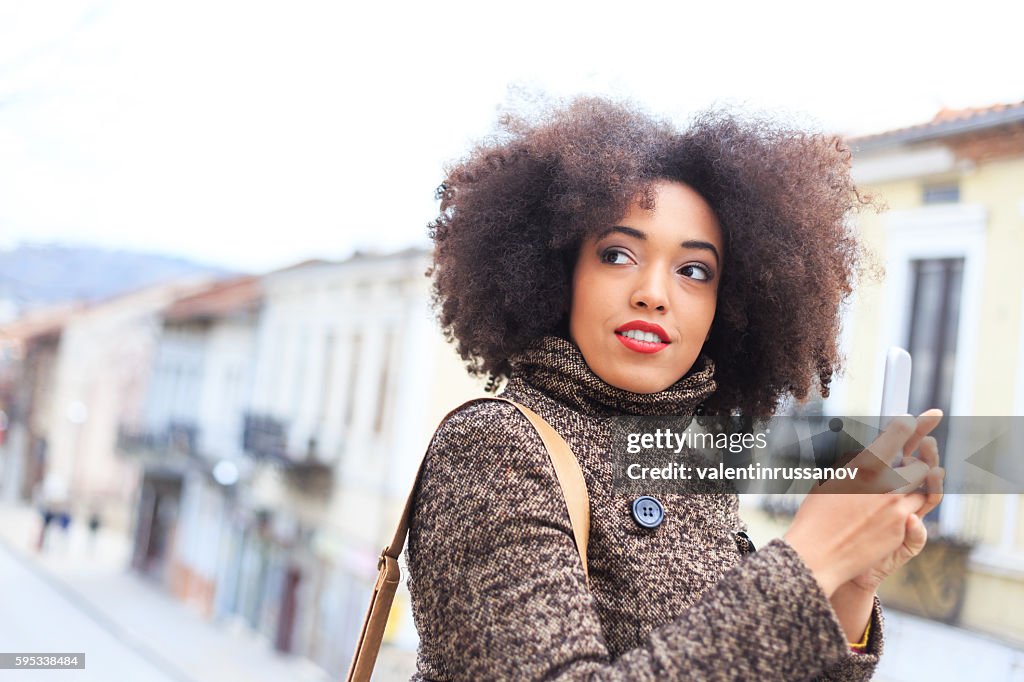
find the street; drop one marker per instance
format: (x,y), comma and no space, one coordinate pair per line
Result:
(77,597)
(41,617)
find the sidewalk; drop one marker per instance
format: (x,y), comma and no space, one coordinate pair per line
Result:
(166,632)
(921,649)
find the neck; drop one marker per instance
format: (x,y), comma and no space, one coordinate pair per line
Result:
(556,367)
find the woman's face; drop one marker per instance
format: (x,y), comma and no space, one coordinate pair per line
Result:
(645,290)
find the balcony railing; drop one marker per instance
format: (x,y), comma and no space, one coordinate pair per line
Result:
(176,437)
(264,437)
(183,437)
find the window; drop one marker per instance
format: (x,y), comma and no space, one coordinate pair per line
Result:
(327,383)
(934,318)
(934,323)
(934,273)
(945,193)
(298,363)
(383,394)
(353,380)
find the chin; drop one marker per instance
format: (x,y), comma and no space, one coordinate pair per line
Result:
(635,384)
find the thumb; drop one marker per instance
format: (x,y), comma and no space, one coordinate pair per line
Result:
(917,534)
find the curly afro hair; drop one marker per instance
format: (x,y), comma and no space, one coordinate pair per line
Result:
(514,213)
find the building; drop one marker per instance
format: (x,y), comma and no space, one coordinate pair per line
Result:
(352,377)
(953,295)
(82,373)
(28,356)
(284,420)
(188,436)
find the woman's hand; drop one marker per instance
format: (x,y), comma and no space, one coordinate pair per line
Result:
(844,530)
(916,533)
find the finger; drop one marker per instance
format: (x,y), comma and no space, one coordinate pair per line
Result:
(912,503)
(926,423)
(933,484)
(916,535)
(905,479)
(888,447)
(929,451)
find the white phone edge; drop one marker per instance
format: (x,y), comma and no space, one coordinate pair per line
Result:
(895,385)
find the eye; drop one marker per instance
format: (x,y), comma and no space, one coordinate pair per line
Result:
(702,273)
(615,256)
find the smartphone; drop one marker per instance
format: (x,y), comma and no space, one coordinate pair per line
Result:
(895,386)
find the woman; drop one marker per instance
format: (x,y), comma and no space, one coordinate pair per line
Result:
(609,265)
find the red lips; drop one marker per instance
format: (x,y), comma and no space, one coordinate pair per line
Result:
(643,346)
(645,327)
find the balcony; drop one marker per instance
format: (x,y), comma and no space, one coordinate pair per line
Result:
(176,438)
(266,438)
(183,438)
(309,474)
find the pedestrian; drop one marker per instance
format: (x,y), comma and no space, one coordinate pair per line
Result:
(94,529)
(603,263)
(63,520)
(48,517)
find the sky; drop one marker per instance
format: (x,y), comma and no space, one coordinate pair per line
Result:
(254,135)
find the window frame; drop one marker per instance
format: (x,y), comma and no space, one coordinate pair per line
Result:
(927,232)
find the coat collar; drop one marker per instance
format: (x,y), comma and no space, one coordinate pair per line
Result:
(556,367)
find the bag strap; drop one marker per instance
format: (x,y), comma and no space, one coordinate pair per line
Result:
(574,489)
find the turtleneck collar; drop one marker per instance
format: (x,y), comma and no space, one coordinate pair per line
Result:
(555,366)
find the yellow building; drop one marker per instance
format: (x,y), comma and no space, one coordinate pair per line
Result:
(950,240)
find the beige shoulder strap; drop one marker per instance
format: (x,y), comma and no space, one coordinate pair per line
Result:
(574,489)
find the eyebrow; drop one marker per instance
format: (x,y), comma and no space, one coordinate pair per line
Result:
(642,236)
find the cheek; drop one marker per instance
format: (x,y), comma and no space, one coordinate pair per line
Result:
(581,315)
(709,318)
(696,314)
(583,296)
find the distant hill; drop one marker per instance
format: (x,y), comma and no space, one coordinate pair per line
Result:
(36,275)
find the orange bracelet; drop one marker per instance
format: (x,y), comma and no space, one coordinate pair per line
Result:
(860,646)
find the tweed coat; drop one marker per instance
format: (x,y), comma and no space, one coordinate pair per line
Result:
(498,590)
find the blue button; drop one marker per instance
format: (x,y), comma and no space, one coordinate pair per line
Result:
(648,512)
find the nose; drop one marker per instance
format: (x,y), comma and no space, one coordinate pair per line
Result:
(650,293)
